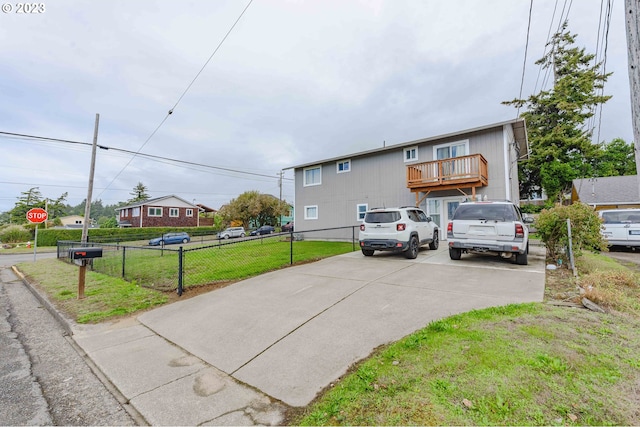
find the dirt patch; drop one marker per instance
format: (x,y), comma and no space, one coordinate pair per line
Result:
(194,291)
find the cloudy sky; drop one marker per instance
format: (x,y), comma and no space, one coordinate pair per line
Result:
(294,82)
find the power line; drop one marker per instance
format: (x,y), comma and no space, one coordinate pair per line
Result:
(134,153)
(181,96)
(524,63)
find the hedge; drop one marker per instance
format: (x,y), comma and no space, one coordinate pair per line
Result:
(50,237)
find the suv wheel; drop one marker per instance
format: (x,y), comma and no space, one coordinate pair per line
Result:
(435,243)
(521,259)
(455,253)
(367,252)
(412,251)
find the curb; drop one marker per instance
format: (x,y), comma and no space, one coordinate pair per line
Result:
(44,300)
(137,417)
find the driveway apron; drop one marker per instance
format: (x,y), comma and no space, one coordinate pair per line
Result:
(292,332)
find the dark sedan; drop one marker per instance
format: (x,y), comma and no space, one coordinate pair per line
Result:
(265,229)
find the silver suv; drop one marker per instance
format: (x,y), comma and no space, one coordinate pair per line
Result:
(232,232)
(397,230)
(489,227)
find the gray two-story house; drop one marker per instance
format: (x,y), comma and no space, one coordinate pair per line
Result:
(436,174)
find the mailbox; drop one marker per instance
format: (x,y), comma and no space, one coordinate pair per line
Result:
(85,253)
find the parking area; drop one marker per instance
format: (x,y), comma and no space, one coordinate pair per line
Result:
(292,332)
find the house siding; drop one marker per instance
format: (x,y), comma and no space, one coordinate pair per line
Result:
(379,178)
(144,220)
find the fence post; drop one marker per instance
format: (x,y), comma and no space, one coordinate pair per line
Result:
(180,255)
(291,247)
(571,259)
(124,259)
(353,238)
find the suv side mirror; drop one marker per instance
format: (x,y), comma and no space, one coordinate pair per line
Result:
(429,219)
(528,220)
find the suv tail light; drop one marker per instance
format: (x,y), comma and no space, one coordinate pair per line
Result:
(401,227)
(450,227)
(519,230)
(361,227)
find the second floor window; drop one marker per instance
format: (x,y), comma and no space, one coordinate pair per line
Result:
(410,154)
(343,166)
(312,176)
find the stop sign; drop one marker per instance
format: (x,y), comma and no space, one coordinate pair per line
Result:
(37,215)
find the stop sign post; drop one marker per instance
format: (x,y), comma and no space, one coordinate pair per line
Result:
(36,216)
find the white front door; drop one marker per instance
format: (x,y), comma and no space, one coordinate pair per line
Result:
(441,211)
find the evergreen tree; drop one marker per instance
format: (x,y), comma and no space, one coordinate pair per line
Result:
(560,143)
(139,193)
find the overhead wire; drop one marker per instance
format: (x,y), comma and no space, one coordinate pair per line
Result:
(181,96)
(604,62)
(524,63)
(150,156)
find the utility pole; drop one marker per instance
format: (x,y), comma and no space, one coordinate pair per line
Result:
(632,10)
(87,210)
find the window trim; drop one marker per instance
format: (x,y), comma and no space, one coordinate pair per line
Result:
(407,150)
(304,176)
(450,144)
(189,212)
(358,213)
(342,162)
(135,212)
(149,214)
(306,209)
(174,210)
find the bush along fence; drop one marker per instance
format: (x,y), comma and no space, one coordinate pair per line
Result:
(213,262)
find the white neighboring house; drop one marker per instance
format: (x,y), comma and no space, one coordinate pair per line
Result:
(435,174)
(74,221)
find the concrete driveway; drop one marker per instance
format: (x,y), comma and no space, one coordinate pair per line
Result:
(292,332)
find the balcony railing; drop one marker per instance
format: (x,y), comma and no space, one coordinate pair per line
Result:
(456,172)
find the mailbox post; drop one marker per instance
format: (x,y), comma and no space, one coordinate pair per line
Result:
(80,257)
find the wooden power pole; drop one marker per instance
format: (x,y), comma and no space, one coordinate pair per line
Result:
(87,210)
(632,10)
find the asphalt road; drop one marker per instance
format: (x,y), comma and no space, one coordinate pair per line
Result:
(44,379)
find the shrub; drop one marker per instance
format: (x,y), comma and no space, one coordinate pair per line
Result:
(551,227)
(14,234)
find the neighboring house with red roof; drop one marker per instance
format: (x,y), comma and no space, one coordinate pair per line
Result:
(167,211)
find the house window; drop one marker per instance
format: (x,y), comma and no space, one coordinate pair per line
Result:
(155,212)
(453,149)
(189,212)
(135,212)
(311,212)
(362,209)
(312,176)
(410,154)
(343,166)
(174,212)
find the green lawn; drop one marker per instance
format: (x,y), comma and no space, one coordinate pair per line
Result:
(529,364)
(223,262)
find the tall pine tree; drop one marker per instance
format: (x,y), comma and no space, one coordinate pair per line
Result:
(557,119)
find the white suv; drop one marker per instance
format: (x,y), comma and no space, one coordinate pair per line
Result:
(494,227)
(398,230)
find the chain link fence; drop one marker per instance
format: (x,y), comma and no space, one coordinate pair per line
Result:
(207,261)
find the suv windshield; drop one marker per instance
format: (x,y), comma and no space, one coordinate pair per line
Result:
(382,217)
(488,212)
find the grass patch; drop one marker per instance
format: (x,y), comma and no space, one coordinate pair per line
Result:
(222,262)
(105,297)
(518,365)
(528,364)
